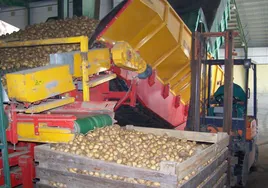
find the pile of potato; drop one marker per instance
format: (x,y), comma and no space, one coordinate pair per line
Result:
(76,26)
(14,59)
(128,147)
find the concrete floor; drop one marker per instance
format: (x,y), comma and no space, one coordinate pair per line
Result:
(259,176)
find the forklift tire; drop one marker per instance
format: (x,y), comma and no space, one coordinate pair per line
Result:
(245,171)
(254,165)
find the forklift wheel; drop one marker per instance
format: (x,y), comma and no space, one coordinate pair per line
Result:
(245,171)
(254,165)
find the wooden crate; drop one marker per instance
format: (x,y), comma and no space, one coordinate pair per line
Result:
(54,165)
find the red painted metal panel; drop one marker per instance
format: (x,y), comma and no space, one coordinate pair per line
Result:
(27,168)
(22,159)
(15,177)
(151,96)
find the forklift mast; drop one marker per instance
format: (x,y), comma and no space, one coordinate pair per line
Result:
(241,127)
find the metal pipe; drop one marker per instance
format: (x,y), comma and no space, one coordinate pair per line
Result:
(209,86)
(228,95)
(204,85)
(246,103)
(194,112)
(3,143)
(228,83)
(255,89)
(218,34)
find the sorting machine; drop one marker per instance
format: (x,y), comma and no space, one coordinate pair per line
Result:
(51,104)
(72,94)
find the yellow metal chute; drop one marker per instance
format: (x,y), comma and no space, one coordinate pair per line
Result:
(155,30)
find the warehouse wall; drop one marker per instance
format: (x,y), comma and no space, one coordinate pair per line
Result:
(42,10)
(16,16)
(262,81)
(260,56)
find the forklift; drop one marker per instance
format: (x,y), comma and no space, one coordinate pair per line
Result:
(227,109)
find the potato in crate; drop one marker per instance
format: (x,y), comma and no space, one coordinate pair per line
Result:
(135,157)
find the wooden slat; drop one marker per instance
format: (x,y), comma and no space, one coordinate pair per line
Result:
(101,79)
(221,182)
(169,168)
(189,135)
(82,181)
(212,180)
(222,141)
(42,184)
(204,173)
(39,185)
(56,160)
(194,163)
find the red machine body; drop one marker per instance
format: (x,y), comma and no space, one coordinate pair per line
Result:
(157,97)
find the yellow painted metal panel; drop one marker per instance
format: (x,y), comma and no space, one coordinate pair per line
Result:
(155,30)
(69,40)
(39,83)
(127,58)
(46,134)
(180,77)
(217,78)
(101,79)
(137,21)
(147,32)
(50,105)
(168,68)
(157,46)
(99,61)
(182,88)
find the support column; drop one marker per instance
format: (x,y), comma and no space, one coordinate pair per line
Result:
(255,90)
(194,112)
(228,83)
(84,8)
(28,12)
(63,9)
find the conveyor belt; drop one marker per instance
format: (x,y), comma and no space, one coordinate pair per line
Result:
(139,115)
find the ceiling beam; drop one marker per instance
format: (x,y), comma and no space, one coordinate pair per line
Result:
(244,3)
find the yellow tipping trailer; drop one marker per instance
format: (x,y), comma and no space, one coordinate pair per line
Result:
(162,39)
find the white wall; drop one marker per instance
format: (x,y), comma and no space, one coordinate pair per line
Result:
(260,55)
(39,12)
(16,16)
(42,10)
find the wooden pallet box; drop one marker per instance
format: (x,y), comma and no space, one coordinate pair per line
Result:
(53,166)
